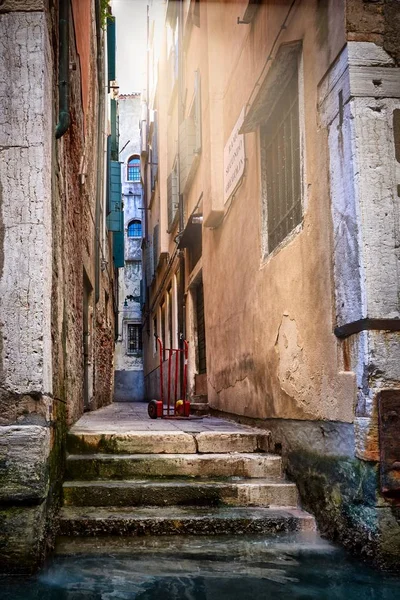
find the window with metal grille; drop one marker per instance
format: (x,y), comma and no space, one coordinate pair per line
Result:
(135,228)
(134,341)
(133,171)
(280,154)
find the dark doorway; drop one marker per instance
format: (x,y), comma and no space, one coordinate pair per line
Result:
(201,330)
(87,327)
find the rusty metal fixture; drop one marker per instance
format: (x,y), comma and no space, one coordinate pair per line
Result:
(389,442)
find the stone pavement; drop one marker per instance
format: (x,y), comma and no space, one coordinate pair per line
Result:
(130,417)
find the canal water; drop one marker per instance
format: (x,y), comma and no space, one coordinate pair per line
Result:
(293,567)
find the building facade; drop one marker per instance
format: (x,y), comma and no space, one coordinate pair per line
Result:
(129,383)
(58,278)
(271,242)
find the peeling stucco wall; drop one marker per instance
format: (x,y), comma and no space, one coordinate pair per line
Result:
(26,274)
(25,174)
(273,358)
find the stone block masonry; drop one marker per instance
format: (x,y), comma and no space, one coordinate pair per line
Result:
(23,456)
(25,284)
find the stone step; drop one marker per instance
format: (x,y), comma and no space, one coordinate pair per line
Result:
(199,408)
(110,466)
(176,492)
(162,442)
(202,399)
(95,521)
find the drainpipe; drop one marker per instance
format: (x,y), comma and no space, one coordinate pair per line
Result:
(63,68)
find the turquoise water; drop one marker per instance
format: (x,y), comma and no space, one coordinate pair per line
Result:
(217,568)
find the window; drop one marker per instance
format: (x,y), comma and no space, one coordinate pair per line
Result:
(135,228)
(133,171)
(280,154)
(134,341)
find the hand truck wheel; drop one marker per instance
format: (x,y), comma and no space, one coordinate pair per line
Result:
(152,409)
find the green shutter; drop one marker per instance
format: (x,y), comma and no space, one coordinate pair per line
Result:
(114,222)
(111,48)
(108,200)
(114,131)
(118,246)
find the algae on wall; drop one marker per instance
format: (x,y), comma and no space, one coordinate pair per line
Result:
(342,493)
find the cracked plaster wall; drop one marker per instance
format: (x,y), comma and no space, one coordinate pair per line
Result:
(271,351)
(25,179)
(26,378)
(302,373)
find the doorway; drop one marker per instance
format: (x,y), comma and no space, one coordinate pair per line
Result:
(87,342)
(201,330)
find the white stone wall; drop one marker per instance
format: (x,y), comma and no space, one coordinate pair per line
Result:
(358,98)
(26,137)
(25,189)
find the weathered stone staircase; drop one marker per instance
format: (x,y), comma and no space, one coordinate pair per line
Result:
(199,405)
(163,483)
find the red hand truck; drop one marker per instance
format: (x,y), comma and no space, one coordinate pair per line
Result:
(175,408)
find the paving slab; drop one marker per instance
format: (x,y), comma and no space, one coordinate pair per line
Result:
(125,417)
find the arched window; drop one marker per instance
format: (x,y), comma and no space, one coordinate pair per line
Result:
(135,228)
(133,170)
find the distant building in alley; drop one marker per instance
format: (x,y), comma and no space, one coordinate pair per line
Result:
(129,383)
(273,235)
(60,244)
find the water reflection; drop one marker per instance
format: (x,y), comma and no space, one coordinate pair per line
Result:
(202,569)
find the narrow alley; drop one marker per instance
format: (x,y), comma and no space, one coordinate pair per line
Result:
(200,299)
